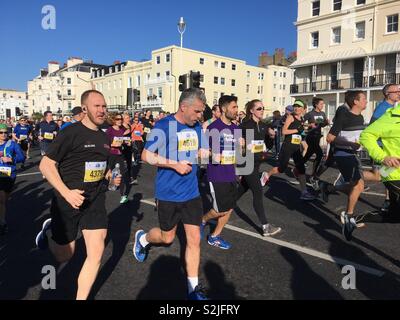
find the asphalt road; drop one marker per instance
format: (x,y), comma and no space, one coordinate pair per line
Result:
(304,261)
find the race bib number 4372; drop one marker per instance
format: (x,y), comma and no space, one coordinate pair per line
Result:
(187,141)
(94,171)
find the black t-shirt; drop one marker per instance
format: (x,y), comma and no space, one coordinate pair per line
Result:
(82,157)
(318,118)
(294,138)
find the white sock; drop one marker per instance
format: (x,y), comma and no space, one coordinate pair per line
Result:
(192,284)
(143,240)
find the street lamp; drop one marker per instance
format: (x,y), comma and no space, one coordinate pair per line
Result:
(181,29)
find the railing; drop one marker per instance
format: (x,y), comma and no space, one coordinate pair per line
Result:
(359,81)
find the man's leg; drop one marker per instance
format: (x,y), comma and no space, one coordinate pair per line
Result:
(192,254)
(94,241)
(221,222)
(157,236)
(356,190)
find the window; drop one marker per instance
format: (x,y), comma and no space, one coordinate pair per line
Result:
(280,74)
(274,99)
(120,83)
(315,8)
(40,87)
(201,60)
(258,90)
(129,82)
(248,74)
(223,81)
(160,92)
(148,76)
(284,87)
(69,92)
(314,39)
(222,65)
(234,67)
(215,80)
(360,2)
(116,68)
(233,82)
(275,73)
(69,81)
(201,77)
(284,74)
(284,101)
(336,35)
(168,57)
(69,105)
(167,74)
(115,84)
(274,85)
(360,30)
(280,87)
(247,88)
(216,64)
(337,5)
(158,75)
(138,81)
(158,60)
(393,23)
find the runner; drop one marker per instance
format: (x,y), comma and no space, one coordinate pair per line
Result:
(345,133)
(77,116)
(292,129)
(23,135)
(76,166)
(148,124)
(316,121)
(116,135)
(216,114)
(127,149)
(177,191)
(221,171)
(263,136)
(47,132)
(137,141)
(10,155)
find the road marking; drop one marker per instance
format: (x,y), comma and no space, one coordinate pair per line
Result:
(28,174)
(375,194)
(305,250)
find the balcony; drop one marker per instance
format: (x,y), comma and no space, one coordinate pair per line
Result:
(66,97)
(358,82)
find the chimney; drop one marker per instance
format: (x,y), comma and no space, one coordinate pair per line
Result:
(72,61)
(53,66)
(116,62)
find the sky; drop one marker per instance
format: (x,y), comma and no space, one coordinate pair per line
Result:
(105,31)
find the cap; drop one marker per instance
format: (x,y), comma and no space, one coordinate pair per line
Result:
(299,103)
(3,126)
(289,108)
(76,111)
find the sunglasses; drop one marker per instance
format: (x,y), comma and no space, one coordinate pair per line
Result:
(3,132)
(118,119)
(261,108)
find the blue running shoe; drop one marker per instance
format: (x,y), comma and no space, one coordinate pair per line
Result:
(139,251)
(41,239)
(198,294)
(218,242)
(202,230)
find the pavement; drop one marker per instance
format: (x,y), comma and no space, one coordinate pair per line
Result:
(304,261)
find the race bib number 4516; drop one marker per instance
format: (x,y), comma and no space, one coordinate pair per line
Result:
(94,171)
(187,141)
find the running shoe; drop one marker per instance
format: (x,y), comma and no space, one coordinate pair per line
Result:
(124,199)
(349,224)
(270,230)
(42,242)
(139,251)
(133,181)
(198,294)
(218,242)
(386,206)
(315,183)
(307,196)
(264,179)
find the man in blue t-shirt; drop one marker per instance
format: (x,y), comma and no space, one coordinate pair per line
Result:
(221,172)
(77,116)
(174,146)
(22,134)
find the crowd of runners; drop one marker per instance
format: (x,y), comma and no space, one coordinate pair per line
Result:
(221,147)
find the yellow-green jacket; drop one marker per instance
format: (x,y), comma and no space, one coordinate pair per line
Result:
(386,128)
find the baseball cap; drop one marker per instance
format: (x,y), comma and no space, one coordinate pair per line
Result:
(76,111)
(289,108)
(299,103)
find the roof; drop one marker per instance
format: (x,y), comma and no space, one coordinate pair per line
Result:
(329,57)
(388,47)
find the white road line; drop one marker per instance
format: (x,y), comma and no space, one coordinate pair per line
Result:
(375,194)
(28,174)
(311,252)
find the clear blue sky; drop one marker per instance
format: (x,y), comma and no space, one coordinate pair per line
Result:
(105,30)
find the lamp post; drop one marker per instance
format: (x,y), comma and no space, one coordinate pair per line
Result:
(181,29)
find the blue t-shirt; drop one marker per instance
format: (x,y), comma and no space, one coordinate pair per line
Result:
(381,110)
(22,130)
(175,141)
(10,149)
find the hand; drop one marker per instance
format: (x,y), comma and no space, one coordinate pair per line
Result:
(183,167)
(117,181)
(40,138)
(242,142)
(6,159)
(74,198)
(216,158)
(271,133)
(204,153)
(355,146)
(392,162)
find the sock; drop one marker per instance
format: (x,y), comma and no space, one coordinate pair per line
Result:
(143,241)
(192,284)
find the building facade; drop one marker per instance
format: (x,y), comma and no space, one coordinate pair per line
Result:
(59,88)
(346,44)
(157,80)
(13,103)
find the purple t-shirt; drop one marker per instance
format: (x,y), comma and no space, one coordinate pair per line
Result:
(115,135)
(223,135)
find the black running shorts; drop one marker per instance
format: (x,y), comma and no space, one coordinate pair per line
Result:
(171,213)
(350,167)
(66,221)
(224,195)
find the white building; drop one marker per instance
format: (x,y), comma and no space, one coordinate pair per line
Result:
(13,103)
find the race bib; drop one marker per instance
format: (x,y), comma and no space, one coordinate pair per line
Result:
(147,130)
(48,136)
(296,139)
(94,171)
(187,141)
(137,133)
(228,157)
(257,146)
(23,137)
(5,171)
(126,139)
(118,140)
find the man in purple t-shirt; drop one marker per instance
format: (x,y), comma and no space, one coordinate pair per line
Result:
(221,170)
